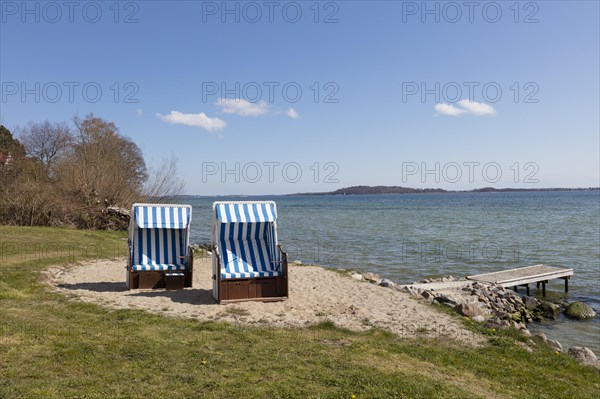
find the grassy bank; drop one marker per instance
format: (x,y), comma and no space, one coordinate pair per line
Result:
(51,346)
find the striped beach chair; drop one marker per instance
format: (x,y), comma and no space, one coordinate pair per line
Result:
(159,247)
(248,262)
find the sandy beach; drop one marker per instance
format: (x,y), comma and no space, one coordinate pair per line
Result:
(316,295)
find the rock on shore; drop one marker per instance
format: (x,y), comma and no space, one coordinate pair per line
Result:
(499,306)
(580,311)
(584,356)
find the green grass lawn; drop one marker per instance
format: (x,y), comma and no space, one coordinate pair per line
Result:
(54,347)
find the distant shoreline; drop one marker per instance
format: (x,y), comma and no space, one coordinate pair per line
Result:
(379,190)
(375,190)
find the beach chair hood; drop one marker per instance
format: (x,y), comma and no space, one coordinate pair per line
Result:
(149,216)
(245,212)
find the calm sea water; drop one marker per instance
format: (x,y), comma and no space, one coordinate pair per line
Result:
(410,237)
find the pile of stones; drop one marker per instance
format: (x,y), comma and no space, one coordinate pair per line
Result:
(496,306)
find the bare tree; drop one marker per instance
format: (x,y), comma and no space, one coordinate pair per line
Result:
(47,142)
(105,167)
(163,183)
(92,168)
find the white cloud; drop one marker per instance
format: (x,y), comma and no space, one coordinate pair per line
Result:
(292,113)
(447,109)
(465,107)
(476,108)
(198,120)
(242,107)
(140,112)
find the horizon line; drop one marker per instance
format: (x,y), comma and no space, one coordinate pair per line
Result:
(443,191)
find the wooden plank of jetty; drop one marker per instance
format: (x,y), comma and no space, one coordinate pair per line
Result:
(523,276)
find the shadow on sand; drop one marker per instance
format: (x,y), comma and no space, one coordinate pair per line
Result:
(194,296)
(96,287)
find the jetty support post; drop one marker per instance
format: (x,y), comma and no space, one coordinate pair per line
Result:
(566,283)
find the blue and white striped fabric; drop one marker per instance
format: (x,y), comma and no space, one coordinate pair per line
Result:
(245,212)
(246,239)
(162,217)
(160,237)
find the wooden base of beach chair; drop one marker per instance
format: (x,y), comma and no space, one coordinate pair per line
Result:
(146,280)
(154,279)
(273,299)
(174,281)
(258,289)
(189,273)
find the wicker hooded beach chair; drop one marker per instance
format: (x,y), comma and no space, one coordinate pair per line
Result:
(159,247)
(247,261)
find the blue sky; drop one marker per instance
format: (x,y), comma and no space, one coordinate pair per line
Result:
(530,119)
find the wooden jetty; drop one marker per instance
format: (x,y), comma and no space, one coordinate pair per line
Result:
(539,274)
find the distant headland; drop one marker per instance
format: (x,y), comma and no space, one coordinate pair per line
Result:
(362,190)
